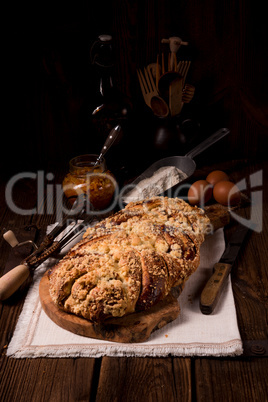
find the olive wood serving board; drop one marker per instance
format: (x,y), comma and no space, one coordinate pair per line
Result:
(136,327)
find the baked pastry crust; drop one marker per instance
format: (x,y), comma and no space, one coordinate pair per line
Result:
(129,261)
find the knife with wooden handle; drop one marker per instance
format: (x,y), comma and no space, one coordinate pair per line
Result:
(215,285)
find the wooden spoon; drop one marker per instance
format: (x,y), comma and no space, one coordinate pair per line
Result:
(175,96)
(165,81)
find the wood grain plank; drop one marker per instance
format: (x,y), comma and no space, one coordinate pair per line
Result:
(144,379)
(46,379)
(231,380)
(182,372)
(250,276)
(250,290)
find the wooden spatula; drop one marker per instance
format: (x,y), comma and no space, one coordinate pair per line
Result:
(175,96)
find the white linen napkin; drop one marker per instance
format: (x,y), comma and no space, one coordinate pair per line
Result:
(191,334)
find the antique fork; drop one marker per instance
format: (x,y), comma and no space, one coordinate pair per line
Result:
(150,94)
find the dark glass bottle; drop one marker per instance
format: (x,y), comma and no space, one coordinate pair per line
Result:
(111,107)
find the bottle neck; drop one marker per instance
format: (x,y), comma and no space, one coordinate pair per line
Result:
(106,85)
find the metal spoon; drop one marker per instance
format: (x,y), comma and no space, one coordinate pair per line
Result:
(113,135)
(184,163)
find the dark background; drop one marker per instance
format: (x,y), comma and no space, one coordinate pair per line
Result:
(51,83)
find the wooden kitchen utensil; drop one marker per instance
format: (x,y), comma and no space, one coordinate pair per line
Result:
(188,93)
(183,68)
(175,96)
(170,84)
(174,44)
(165,81)
(150,94)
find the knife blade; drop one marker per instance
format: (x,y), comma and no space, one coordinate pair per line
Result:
(215,285)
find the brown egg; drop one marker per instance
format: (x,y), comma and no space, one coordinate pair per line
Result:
(200,192)
(216,176)
(226,193)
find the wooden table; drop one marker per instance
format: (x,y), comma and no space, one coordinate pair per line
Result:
(150,379)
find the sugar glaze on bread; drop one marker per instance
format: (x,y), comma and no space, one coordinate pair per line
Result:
(129,261)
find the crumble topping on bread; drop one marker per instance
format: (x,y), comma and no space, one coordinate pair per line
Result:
(130,260)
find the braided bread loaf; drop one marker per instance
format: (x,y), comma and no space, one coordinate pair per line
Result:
(130,260)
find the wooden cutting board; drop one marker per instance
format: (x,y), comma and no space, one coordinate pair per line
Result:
(133,328)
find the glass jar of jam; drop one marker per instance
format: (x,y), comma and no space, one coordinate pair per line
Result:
(94,180)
